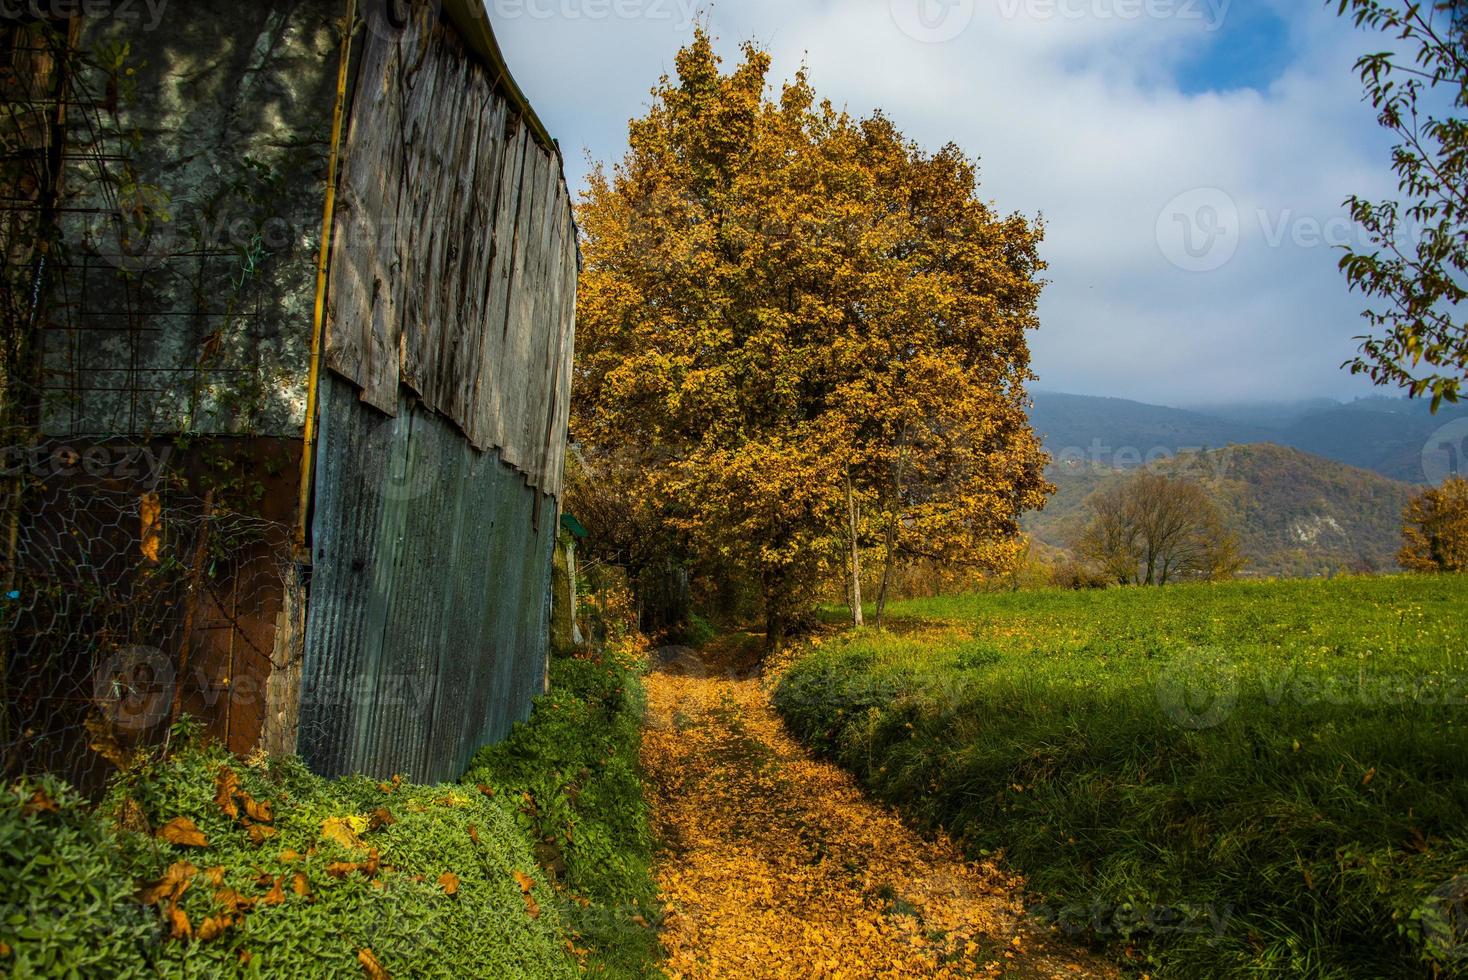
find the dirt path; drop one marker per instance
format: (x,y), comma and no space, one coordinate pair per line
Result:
(779,866)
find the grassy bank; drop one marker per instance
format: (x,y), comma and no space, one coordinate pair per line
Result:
(1243,780)
(206,865)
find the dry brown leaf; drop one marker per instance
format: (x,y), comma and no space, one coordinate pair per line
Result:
(449,882)
(175,882)
(259,833)
(181,831)
(215,926)
(339,830)
(232,901)
(226,785)
(40,802)
(288,857)
(257,810)
(178,922)
(526,883)
(275,895)
(301,885)
(102,739)
(4,950)
(370,966)
(381,817)
(216,876)
(474,833)
(150,512)
(246,956)
(340,869)
(372,865)
(488,791)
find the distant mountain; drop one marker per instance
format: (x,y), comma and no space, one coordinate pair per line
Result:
(1295,514)
(1385,435)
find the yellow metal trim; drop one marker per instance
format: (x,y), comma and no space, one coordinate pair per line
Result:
(318,325)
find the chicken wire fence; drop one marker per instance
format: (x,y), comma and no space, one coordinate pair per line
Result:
(130,601)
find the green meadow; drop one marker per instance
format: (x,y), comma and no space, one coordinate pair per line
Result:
(1253,779)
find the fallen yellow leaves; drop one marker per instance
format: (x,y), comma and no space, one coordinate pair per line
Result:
(370,966)
(182,832)
(526,883)
(782,867)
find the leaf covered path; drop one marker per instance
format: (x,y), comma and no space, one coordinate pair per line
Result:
(777,865)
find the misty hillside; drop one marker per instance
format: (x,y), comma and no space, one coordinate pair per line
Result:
(1295,514)
(1385,435)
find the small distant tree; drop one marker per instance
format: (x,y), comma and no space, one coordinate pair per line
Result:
(1153,529)
(1417,260)
(1436,533)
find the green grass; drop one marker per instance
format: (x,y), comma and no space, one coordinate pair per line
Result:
(70,876)
(1263,780)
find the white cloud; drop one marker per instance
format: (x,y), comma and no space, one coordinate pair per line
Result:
(1076,117)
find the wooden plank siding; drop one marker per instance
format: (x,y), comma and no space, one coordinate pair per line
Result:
(454,266)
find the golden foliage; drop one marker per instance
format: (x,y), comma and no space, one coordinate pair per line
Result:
(1435,538)
(781,867)
(777,297)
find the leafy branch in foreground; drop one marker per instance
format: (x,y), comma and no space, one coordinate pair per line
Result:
(1417,267)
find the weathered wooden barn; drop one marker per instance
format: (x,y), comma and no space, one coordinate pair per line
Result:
(311,265)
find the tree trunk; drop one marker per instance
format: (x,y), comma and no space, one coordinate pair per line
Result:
(857,616)
(891,542)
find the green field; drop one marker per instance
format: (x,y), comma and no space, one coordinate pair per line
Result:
(1264,779)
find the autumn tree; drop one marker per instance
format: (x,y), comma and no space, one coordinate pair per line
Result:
(1417,263)
(1152,529)
(1435,538)
(811,332)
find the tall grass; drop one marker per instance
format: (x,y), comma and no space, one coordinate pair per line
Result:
(1244,780)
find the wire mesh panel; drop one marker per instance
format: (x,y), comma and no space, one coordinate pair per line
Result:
(135,602)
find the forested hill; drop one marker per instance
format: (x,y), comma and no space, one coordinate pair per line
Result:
(1385,435)
(1296,514)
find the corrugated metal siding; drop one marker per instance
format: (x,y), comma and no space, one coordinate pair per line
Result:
(428,625)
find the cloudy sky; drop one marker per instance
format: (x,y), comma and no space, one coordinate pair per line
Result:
(1189,157)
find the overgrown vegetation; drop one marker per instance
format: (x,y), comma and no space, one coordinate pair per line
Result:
(574,777)
(203,864)
(1227,780)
